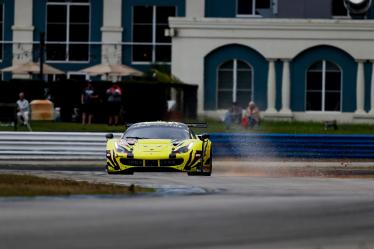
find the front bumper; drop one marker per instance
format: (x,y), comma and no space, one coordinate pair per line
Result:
(187,162)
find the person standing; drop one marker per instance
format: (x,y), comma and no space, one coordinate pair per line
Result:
(88,99)
(114,100)
(23,109)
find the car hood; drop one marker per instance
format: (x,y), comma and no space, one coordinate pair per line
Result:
(153,145)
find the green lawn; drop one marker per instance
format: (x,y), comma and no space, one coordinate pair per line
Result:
(27,185)
(213,126)
(65,127)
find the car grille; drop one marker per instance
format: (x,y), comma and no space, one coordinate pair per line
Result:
(171,162)
(132,162)
(152,163)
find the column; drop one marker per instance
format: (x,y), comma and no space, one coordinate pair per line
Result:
(360,88)
(111,49)
(195,8)
(22,33)
(286,88)
(372,90)
(271,87)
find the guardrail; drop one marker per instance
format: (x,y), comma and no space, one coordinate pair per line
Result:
(91,146)
(52,146)
(293,146)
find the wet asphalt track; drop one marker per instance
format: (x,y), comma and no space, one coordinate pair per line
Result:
(221,211)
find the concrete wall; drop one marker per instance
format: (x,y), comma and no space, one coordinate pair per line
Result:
(195,8)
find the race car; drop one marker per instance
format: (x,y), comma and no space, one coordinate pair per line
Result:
(158,147)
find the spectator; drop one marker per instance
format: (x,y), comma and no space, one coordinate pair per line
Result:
(233,115)
(23,109)
(114,100)
(253,115)
(88,99)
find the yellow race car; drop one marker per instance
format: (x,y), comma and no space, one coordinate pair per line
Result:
(158,147)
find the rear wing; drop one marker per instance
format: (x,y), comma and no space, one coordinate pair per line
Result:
(190,125)
(197,125)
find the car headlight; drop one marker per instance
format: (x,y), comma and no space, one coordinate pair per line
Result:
(185,148)
(121,149)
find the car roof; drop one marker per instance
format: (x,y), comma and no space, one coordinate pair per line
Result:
(160,123)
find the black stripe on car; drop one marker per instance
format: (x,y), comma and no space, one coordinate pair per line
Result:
(188,166)
(114,161)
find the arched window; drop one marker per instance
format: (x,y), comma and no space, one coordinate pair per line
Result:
(234,84)
(323,91)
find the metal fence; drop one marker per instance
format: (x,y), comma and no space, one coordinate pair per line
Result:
(62,146)
(52,146)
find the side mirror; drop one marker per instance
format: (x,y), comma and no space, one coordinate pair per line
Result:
(109,136)
(204,136)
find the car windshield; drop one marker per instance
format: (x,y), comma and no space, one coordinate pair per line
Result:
(157,132)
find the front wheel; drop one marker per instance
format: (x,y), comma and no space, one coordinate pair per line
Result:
(121,173)
(206,173)
(125,172)
(199,173)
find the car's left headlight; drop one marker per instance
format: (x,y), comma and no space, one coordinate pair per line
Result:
(185,148)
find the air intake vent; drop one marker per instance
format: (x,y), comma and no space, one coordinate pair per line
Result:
(131,162)
(171,162)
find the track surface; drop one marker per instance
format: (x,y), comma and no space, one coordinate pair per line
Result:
(198,212)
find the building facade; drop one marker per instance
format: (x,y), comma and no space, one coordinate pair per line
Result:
(81,33)
(303,60)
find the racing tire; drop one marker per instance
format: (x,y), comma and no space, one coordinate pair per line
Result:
(210,163)
(121,173)
(128,172)
(204,173)
(199,173)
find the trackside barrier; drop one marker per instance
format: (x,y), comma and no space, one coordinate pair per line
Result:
(91,146)
(52,145)
(293,146)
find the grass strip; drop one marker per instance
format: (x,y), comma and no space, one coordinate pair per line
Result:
(12,185)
